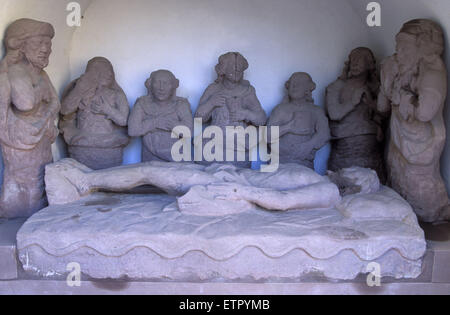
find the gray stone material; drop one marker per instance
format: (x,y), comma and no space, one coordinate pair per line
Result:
(146,237)
(155,116)
(231,101)
(29,107)
(94,118)
(8,253)
(303,126)
(414,89)
(356,126)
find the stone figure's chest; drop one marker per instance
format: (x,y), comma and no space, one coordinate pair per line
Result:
(105,95)
(155,111)
(304,119)
(41,91)
(234,103)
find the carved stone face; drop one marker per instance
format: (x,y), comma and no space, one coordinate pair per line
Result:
(232,73)
(37,50)
(300,86)
(358,64)
(105,77)
(407,50)
(163,86)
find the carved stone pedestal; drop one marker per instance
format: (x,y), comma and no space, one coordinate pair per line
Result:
(145,237)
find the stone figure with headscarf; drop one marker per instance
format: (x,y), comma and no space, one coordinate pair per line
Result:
(29,107)
(95,113)
(414,89)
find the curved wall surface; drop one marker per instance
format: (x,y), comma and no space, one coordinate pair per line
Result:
(187,37)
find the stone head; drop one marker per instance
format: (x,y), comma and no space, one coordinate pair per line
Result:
(231,67)
(361,61)
(102,70)
(418,39)
(300,86)
(162,85)
(29,40)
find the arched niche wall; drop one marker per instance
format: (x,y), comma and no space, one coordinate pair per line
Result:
(186,37)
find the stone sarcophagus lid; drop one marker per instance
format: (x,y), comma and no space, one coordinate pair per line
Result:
(209,228)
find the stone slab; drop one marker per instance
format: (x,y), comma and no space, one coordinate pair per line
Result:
(140,237)
(8,253)
(441,270)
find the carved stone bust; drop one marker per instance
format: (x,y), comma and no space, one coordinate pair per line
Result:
(29,107)
(303,126)
(231,100)
(94,117)
(356,125)
(414,89)
(155,115)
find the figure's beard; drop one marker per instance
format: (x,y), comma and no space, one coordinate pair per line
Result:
(40,62)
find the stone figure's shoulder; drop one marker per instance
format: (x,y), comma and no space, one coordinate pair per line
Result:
(433,73)
(250,88)
(336,85)
(145,103)
(389,65)
(314,109)
(280,110)
(213,89)
(183,102)
(145,100)
(17,73)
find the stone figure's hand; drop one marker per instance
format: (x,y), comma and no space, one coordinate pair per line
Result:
(369,100)
(407,108)
(52,132)
(227,191)
(218,100)
(165,124)
(100,107)
(357,96)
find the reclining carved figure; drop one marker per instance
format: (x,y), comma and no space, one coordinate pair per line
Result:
(207,190)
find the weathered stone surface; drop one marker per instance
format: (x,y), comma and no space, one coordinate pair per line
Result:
(231,101)
(356,126)
(8,253)
(414,89)
(29,106)
(95,113)
(206,190)
(155,116)
(146,237)
(303,126)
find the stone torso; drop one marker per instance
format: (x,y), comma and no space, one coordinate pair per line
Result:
(235,102)
(159,142)
(90,122)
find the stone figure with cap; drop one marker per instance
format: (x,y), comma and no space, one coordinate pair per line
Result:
(29,107)
(231,101)
(303,126)
(154,116)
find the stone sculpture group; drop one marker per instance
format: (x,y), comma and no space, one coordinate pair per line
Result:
(96,123)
